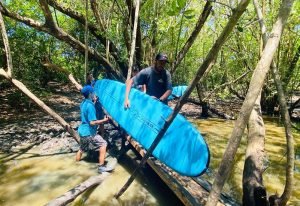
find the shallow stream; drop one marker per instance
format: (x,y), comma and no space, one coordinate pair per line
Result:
(32,179)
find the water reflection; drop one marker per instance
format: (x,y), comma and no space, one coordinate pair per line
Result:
(217,132)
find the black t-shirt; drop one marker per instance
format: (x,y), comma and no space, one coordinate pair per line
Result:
(157,83)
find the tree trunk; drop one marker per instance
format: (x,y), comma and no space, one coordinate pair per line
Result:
(254,193)
(138,48)
(86,36)
(136,17)
(6,47)
(286,119)
(255,87)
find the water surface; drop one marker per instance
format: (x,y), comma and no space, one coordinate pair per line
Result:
(217,132)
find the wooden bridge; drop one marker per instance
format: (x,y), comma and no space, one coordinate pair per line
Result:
(190,190)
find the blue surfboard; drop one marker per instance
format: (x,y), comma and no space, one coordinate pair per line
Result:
(177,92)
(182,148)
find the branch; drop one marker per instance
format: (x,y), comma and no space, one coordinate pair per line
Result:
(48,15)
(63,36)
(225,84)
(217,2)
(201,20)
(47,64)
(6,45)
(95,9)
(254,90)
(92,28)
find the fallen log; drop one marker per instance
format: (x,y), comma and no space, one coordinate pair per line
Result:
(79,189)
(191,191)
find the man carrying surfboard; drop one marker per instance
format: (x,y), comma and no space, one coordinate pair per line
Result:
(156,78)
(89,139)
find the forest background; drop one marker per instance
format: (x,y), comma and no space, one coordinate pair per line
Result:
(48,40)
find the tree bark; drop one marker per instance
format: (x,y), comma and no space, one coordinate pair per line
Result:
(254,193)
(254,89)
(285,116)
(139,46)
(73,193)
(136,17)
(6,47)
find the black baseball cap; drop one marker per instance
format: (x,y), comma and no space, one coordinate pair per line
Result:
(162,57)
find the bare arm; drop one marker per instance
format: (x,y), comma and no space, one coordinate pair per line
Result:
(128,88)
(98,122)
(169,88)
(165,95)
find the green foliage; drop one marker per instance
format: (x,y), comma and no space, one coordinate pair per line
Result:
(165,26)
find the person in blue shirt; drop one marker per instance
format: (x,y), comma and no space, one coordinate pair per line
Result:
(89,139)
(90,80)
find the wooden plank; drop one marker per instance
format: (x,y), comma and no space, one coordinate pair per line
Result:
(187,189)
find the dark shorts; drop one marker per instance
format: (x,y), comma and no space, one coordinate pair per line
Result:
(92,143)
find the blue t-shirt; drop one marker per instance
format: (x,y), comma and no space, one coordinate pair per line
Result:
(88,114)
(157,83)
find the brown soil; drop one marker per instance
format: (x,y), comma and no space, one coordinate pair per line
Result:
(23,125)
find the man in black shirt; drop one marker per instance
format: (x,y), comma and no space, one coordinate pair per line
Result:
(156,78)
